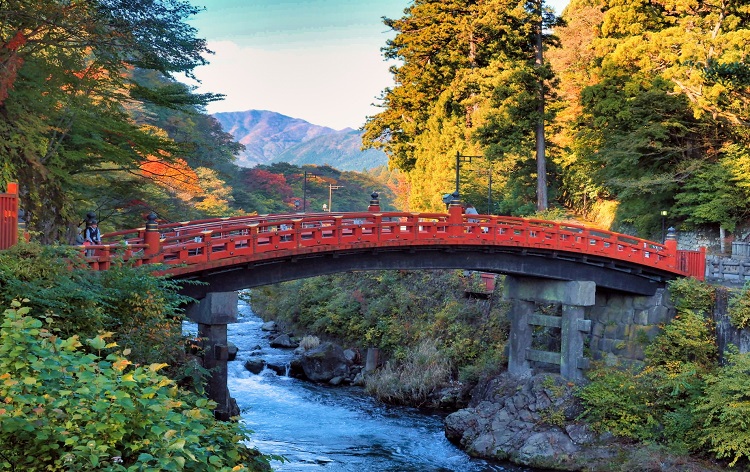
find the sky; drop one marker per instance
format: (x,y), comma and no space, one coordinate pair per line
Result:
(318,60)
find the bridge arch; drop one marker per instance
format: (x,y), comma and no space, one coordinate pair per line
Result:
(244,252)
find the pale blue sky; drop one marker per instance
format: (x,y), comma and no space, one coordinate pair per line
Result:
(318,60)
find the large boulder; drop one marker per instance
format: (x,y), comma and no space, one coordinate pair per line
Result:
(284,341)
(323,363)
(255,365)
(519,420)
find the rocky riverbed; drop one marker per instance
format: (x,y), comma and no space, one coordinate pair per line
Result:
(531,422)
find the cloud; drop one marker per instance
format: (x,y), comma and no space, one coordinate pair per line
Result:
(331,86)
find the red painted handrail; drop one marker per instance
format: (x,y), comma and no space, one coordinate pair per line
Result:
(9,216)
(223,241)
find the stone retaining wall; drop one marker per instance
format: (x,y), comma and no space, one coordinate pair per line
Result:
(732,270)
(622,325)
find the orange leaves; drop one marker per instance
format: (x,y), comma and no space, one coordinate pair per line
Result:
(174,174)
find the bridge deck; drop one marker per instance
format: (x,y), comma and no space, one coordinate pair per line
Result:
(198,245)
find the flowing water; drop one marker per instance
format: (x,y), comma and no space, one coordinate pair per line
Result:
(334,429)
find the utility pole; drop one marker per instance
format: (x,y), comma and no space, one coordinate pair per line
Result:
(304,191)
(459,159)
(331,188)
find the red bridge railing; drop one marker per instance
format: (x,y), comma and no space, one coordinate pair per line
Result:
(224,241)
(9,216)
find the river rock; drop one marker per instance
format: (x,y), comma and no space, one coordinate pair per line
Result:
(322,363)
(279,369)
(270,326)
(295,368)
(283,340)
(232,351)
(255,365)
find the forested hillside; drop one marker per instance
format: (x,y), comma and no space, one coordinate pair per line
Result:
(645,107)
(90,123)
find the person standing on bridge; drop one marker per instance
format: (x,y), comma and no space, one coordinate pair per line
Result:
(470,210)
(91,235)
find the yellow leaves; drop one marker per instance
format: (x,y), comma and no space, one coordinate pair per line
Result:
(121,364)
(157,367)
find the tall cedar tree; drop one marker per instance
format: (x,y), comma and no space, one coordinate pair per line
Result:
(467,84)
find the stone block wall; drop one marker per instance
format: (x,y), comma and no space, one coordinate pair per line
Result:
(622,325)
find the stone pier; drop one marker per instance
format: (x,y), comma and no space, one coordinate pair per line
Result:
(570,299)
(212,314)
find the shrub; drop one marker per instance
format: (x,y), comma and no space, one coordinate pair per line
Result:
(739,308)
(615,401)
(724,410)
(656,403)
(141,310)
(688,338)
(691,294)
(66,409)
(309,342)
(413,380)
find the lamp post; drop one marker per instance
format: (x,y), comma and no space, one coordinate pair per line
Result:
(663,222)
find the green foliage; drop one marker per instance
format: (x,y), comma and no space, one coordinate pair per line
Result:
(724,410)
(656,403)
(66,409)
(688,338)
(67,90)
(689,294)
(466,76)
(422,371)
(615,401)
(394,311)
(739,308)
(141,309)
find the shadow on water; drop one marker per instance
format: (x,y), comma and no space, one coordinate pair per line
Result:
(337,429)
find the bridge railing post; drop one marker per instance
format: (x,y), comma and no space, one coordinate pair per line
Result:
(670,242)
(374,203)
(455,217)
(152,239)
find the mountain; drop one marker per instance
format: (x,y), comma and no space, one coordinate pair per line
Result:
(272,137)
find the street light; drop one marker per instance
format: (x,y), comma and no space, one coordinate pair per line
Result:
(663,221)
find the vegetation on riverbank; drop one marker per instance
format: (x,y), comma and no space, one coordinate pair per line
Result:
(417,319)
(683,398)
(90,368)
(681,402)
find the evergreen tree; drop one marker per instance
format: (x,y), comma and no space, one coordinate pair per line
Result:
(468,69)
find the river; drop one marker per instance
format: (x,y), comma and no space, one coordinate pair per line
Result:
(334,429)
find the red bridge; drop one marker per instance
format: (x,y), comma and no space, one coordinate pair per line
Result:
(249,251)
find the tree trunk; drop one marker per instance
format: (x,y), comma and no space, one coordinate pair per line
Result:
(541,161)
